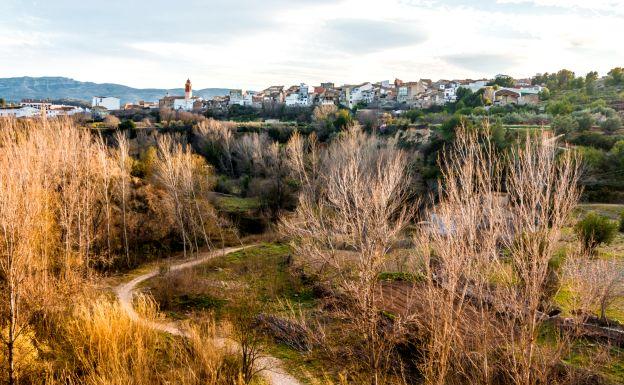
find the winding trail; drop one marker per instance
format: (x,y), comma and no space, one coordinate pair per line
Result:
(275,373)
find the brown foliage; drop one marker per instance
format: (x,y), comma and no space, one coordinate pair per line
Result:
(68,204)
(187,179)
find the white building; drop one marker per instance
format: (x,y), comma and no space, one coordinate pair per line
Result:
(450,93)
(531,89)
(183,104)
(476,85)
(298,96)
(38,104)
(353,95)
(53,111)
(236,97)
(248,98)
(108,102)
(19,112)
(61,110)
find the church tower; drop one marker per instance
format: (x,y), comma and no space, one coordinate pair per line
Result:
(188,90)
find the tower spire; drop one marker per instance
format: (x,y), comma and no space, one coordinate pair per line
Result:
(188,90)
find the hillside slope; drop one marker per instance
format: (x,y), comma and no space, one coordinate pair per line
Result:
(15,89)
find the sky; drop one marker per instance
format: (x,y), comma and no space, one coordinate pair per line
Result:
(254,44)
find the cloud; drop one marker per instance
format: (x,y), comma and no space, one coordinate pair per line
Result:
(197,21)
(609,6)
(250,43)
(365,36)
(483,63)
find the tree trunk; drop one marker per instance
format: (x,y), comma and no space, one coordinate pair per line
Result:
(12,323)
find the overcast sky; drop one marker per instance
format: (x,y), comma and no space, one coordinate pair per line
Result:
(253,44)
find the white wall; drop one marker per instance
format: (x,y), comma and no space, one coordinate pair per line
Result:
(183,104)
(108,102)
(23,112)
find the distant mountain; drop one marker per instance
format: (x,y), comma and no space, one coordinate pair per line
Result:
(16,89)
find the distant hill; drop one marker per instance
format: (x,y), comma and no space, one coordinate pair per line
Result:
(16,89)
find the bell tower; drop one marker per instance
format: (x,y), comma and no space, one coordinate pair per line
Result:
(188,90)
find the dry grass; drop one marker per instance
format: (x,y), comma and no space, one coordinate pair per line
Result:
(68,205)
(107,347)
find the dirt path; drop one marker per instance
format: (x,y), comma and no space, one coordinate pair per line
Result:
(276,375)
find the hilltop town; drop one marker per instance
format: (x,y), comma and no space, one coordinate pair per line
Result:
(397,95)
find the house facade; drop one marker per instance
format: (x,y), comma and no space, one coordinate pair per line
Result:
(111,103)
(236,97)
(19,112)
(352,95)
(298,96)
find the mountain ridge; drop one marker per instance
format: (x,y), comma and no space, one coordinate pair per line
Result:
(59,87)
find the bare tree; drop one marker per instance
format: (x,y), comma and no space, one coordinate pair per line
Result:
(303,159)
(123,159)
(251,155)
(48,203)
(185,178)
(542,184)
(324,112)
(486,255)
(106,172)
(53,215)
(111,121)
(594,284)
(17,214)
(250,339)
(351,223)
(219,136)
(457,246)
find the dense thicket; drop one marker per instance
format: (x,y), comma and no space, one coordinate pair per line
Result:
(69,207)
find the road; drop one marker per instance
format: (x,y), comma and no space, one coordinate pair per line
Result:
(275,375)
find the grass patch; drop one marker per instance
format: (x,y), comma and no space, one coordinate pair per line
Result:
(608,210)
(400,277)
(309,369)
(607,362)
(613,250)
(564,300)
(261,276)
(261,273)
(264,270)
(233,204)
(198,302)
(616,310)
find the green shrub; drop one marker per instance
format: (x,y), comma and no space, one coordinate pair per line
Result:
(612,124)
(564,124)
(594,139)
(343,119)
(585,121)
(622,222)
(144,166)
(127,125)
(561,107)
(594,230)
